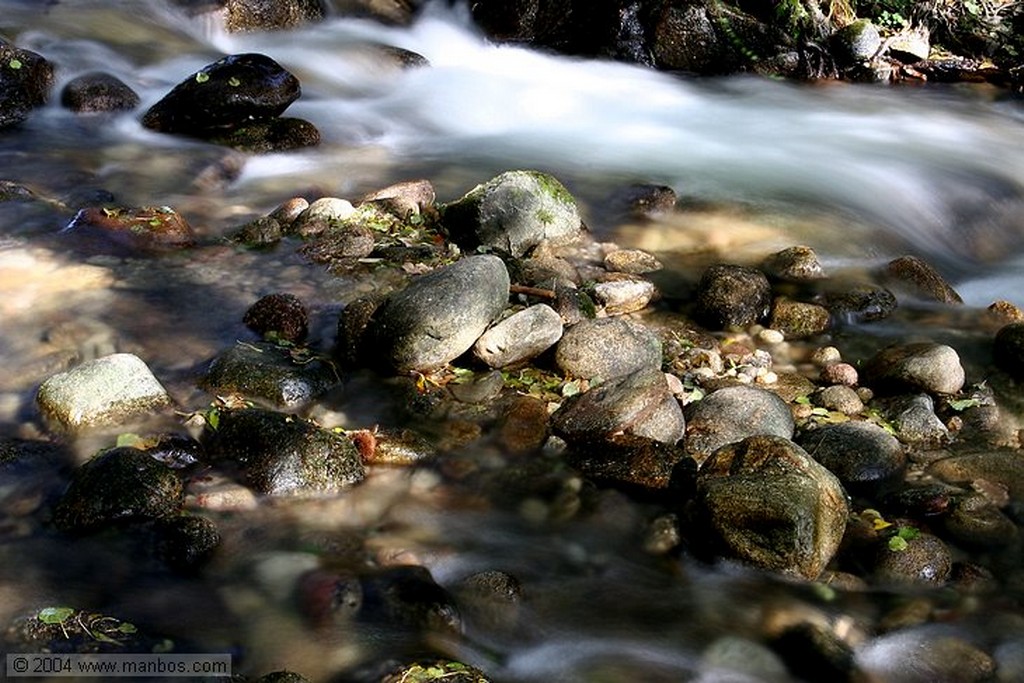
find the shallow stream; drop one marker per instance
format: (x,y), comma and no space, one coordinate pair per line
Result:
(860,173)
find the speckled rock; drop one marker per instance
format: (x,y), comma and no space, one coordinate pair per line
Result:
(861,303)
(1002,467)
(633,463)
(797,319)
(279,316)
(732,296)
(920,279)
(284,376)
(924,559)
(25,82)
(732,414)
(915,421)
(439,316)
(513,213)
(606,348)
(624,294)
(283,454)
(794,264)
(840,398)
(765,501)
(926,655)
(98,92)
(264,15)
(856,42)
(632,261)
(864,456)
(521,336)
(921,366)
(121,485)
(639,403)
(113,390)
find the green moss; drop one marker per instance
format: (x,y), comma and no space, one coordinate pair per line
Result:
(552,187)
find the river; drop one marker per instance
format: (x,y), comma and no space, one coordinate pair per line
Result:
(861,173)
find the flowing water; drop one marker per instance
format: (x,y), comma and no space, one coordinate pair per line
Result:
(860,173)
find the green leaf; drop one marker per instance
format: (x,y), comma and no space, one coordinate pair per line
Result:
(15,64)
(128,439)
(898,544)
(962,404)
(127,628)
(213,419)
(571,388)
(55,615)
(234,82)
(908,533)
(202,77)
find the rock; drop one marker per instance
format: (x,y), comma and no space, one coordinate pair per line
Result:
(607,348)
(920,366)
(25,82)
(98,92)
(283,454)
(861,303)
(352,324)
(864,457)
(633,463)
(685,39)
(814,652)
(393,447)
(921,280)
(732,296)
(839,373)
(915,421)
(523,427)
(408,598)
(1003,468)
(266,15)
(1008,349)
(631,261)
(797,320)
(732,414)
(856,42)
(439,669)
(766,502)
(273,135)
(156,228)
(923,655)
(262,231)
(285,376)
(322,215)
(923,559)
(910,45)
(734,658)
(639,403)
(186,542)
(794,264)
(481,388)
(646,201)
(112,390)
(840,398)
(440,315)
(519,337)
(409,198)
(624,294)
(278,316)
(283,676)
(513,213)
(234,91)
(490,599)
(121,485)
(973,521)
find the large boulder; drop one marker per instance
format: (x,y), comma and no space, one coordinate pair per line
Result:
(732,414)
(25,82)
(513,213)
(607,348)
(766,502)
(439,316)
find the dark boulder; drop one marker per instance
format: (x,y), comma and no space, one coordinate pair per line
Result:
(278,316)
(25,82)
(732,296)
(865,457)
(285,376)
(98,92)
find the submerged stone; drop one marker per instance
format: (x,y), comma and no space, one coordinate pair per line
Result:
(285,376)
(146,227)
(513,213)
(98,92)
(112,390)
(279,316)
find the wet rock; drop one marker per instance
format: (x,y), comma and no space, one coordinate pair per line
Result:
(921,366)
(283,454)
(922,559)
(632,463)
(523,427)
(607,348)
(186,542)
(409,198)
(639,403)
(25,82)
(513,213)
(915,421)
(973,521)
(289,210)
(732,414)
(840,398)
(490,600)
(67,630)
(440,315)
(267,15)
(685,39)
(278,316)
(910,44)
(732,296)
(766,502)
(925,655)
(632,261)
(98,92)
(262,231)
(282,676)
(121,485)
(112,390)
(146,228)
(448,671)
(285,376)
(794,264)
(177,451)
(352,324)
(329,598)
(1003,468)
(321,215)
(398,447)
(274,135)
(408,598)
(864,457)
(624,294)
(814,652)
(733,658)
(839,373)
(921,280)
(642,200)
(856,42)
(1008,349)
(519,337)
(234,91)
(797,319)
(481,388)
(861,303)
